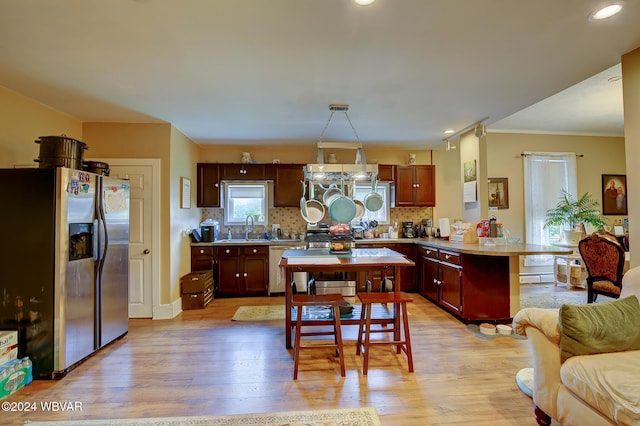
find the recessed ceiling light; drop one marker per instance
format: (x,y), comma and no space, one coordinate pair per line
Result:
(606,12)
(449,131)
(364,2)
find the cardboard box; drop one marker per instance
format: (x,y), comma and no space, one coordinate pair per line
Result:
(8,346)
(14,375)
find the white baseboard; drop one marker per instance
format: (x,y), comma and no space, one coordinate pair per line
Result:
(536,278)
(168,311)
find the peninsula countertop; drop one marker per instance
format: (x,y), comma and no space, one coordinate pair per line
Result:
(518,249)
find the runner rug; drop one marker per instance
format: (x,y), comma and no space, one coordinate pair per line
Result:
(349,416)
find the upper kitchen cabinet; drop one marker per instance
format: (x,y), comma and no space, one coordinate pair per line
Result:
(287,189)
(208,191)
(386,172)
(239,171)
(415,185)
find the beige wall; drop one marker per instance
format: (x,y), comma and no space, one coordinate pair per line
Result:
(184,155)
(22,121)
(601,155)
(631,93)
(178,155)
(131,140)
(448,184)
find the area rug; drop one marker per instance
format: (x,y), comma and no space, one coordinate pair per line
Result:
(348,416)
(259,313)
(555,300)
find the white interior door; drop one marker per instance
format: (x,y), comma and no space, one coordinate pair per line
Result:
(143,248)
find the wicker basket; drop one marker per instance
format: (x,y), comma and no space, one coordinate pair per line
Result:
(577,274)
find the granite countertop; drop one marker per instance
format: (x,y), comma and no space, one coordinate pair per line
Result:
(495,250)
(518,249)
(286,242)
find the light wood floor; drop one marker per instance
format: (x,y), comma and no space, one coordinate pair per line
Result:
(202,363)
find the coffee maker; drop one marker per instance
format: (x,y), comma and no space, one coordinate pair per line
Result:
(407,230)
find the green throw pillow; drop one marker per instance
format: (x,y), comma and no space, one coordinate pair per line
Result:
(599,327)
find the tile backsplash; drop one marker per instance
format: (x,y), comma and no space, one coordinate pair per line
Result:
(289,218)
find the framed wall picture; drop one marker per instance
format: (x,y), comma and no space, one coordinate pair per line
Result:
(499,193)
(185,193)
(614,194)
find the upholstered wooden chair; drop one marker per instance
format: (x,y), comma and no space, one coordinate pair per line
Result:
(603,256)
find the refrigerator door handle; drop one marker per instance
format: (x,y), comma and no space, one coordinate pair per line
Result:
(105,243)
(96,240)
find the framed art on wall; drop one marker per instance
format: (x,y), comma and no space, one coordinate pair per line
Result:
(614,194)
(185,193)
(499,193)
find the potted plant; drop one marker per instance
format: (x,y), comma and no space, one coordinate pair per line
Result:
(575,213)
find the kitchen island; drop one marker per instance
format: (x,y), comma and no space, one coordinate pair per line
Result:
(387,261)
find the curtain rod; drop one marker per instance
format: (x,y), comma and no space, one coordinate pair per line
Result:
(522,154)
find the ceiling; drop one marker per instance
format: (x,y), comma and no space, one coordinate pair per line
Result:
(257,71)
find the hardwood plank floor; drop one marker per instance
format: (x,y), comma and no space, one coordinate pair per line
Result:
(202,363)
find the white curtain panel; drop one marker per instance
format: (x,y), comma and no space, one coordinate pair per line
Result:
(546,174)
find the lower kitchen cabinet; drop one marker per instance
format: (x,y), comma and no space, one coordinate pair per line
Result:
(429,275)
(201,258)
(441,278)
(451,285)
(473,287)
(242,270)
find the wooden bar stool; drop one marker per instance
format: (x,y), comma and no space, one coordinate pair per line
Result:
(402,341)
(317,300)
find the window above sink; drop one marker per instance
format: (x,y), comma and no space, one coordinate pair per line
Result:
(245,199)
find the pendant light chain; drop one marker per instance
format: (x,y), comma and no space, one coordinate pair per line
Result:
(339,107)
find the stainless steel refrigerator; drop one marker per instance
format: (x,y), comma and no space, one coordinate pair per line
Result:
(64,258)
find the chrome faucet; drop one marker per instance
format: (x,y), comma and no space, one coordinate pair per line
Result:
(248,228)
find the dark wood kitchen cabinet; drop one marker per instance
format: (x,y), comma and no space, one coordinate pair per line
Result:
(287,189)
(241,171)
(415,185)
(440,277)
(208,185)
(386,172)
(450,282)
(428,265)
(242,270)
(201,258)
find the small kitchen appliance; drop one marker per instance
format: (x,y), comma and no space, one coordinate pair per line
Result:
(209,230)
(408,231)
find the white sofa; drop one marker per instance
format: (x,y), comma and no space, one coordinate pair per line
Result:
(585,390)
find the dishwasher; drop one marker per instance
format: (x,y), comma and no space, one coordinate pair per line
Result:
(277,279)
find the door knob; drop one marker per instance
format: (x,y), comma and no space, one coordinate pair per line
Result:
(146,251)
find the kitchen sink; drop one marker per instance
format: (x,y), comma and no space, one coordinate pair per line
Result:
(242,240)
